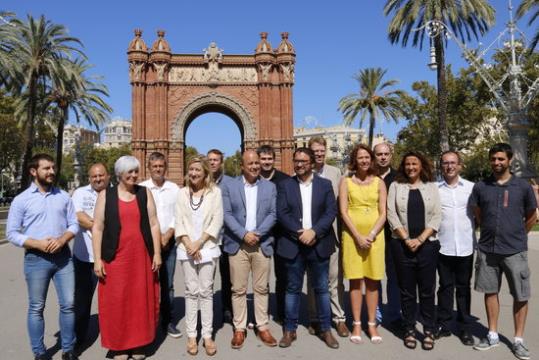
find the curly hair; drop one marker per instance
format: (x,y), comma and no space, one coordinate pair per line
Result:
(353,166)
(426,174)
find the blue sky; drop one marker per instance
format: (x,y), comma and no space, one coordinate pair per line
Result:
(333,40)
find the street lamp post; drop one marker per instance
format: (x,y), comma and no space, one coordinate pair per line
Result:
(513,103)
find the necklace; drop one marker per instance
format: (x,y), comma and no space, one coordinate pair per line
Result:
(194,206)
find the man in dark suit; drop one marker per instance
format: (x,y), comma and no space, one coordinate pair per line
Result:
(306,209)
(249,213)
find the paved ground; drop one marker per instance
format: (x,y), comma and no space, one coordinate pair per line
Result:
(14,339)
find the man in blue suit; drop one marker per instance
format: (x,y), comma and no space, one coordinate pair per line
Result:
(249,204)
(306,209)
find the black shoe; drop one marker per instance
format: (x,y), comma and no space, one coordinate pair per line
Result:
(442,332)
(70,355)
(41,357)
(466,338)
(314,328)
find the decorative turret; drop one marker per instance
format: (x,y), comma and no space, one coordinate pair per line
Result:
(137,55)
(160,44)
(160,56)
(137,44)
(285,47)
(286,58)
(263,46)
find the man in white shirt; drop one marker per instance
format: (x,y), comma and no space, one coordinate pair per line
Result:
(165,194)
(457,239)
(336,287)
(84,199)
(249,206)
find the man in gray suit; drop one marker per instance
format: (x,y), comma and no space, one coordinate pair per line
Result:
(249,204)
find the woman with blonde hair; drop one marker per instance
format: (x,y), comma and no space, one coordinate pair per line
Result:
(199,218)
(362,204)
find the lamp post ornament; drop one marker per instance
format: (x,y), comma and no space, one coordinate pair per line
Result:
(513,103)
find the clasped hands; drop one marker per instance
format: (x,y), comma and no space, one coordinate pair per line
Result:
(364,242)
(193,247)
(307,236)
(51,245)
(413,244)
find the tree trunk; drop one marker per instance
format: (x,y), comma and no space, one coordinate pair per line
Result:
(60,142)
(372,122)
(442,93)
(30,135)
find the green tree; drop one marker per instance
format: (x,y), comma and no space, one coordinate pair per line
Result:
(190,151)
(74,91)
(233,164)
(107,156)
(11,137)
(375,97)
(469,116)
(525,7)
(464,17)
(38,47)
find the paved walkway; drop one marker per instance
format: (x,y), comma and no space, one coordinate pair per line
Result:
(14,340)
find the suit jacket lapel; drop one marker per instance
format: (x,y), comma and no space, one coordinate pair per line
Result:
(241,189)
(298,197)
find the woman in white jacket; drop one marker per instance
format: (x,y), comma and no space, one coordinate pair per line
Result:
(199,218)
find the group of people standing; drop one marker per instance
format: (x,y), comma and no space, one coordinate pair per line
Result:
(369,223)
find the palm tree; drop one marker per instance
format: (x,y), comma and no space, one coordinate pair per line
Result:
(524,7)
(464,17)
(374,98)
(73,91)
(39,47)
(8,65)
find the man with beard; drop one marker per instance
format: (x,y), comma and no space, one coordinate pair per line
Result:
(42,219)
(269,172)
(165,194)
(84,199)
(306,209)
(215,161)
(504,208)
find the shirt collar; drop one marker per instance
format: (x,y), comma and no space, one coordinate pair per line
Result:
(34,188)
(153,186)
(248,184)
(308,182)
(460,182)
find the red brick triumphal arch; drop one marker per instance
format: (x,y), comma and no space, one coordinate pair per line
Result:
(170,90)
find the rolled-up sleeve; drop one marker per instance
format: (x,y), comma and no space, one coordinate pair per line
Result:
(72,222)
(14,224)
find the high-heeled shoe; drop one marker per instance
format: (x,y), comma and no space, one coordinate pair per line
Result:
(356,339)
(375,339)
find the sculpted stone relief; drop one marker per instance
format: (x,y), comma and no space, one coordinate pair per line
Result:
(135,70)
(201,75)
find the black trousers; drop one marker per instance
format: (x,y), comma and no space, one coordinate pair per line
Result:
(85,283)
(279,266)
(455,273)
(416,273)
(226,285)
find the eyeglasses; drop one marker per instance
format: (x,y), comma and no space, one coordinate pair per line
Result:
(449,163)
(301,161)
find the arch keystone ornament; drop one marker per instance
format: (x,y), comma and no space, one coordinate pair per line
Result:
(169,91)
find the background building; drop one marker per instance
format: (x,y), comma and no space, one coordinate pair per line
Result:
(117,133)
(339,139)
(74,134)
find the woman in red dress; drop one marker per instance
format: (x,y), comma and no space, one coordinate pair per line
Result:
(126,241)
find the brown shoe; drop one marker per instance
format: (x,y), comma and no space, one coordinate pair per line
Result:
(192,346)
(209,345)
(238,339)
(314,328)
(287,339)
(342,330)
(328,338)
(266,337)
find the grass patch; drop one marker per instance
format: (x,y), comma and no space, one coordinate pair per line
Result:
(535,227)
(2,231)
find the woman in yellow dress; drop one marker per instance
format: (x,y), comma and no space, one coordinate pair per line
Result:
(362,204)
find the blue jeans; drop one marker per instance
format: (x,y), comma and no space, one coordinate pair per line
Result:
(39,269)
(319,269)
(85,283)
(166,282)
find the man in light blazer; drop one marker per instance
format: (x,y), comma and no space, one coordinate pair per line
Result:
(249,204)
(306,209)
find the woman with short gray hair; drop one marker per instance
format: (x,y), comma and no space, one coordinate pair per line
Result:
(127,256)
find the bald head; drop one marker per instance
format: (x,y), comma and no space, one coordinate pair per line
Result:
(382,156)
(99,177)
(250,166)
